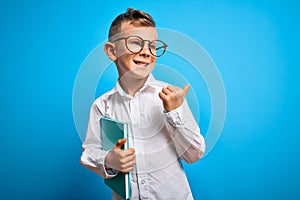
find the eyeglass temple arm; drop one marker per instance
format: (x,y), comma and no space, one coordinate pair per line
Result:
(161,47)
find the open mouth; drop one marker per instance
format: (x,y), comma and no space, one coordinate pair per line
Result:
(141,63)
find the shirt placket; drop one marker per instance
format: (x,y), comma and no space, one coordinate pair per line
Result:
(141,168)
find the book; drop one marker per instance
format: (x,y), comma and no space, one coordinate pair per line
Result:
(111,132)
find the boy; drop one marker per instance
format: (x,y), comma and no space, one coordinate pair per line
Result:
(161,126)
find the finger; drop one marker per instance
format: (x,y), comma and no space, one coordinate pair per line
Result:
(166,91)
(120,143)
(127,170)
(128,159)
(130,150)
(162,96)
(128,166)
(186,89)
(127,152)
(173,88)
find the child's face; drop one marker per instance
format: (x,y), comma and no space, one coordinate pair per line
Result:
(139,65)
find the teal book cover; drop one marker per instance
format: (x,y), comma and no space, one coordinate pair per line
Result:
(111,132)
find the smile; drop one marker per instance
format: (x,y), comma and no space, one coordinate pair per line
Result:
(141,63)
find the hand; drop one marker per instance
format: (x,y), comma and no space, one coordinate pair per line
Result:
(173,96)
(121,160)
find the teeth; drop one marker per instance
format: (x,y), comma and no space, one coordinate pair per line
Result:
(140,63)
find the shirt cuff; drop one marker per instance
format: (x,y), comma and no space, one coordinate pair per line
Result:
(174,117)
(109,172)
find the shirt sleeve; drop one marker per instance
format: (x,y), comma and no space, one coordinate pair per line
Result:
(185,133)
(93,157)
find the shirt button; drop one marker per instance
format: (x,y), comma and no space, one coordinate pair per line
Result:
(142,182)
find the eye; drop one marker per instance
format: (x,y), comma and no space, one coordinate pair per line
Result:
(135,41)
(134,44)
(153,47)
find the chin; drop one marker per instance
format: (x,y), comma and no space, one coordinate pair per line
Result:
(140,73)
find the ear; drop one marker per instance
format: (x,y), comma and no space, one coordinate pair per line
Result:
(110,50)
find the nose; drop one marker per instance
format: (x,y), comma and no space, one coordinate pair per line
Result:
(145,52)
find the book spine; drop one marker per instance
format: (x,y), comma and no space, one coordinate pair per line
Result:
(127,176)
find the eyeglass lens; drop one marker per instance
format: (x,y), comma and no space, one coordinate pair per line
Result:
(136,44)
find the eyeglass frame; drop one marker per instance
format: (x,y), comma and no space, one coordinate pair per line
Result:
(143,44)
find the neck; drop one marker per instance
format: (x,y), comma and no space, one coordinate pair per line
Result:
(131,85)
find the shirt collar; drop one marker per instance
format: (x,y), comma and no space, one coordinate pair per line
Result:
(118,89)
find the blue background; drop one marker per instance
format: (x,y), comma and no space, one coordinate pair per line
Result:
(254,44)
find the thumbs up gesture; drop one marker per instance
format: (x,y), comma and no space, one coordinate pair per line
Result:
(173,96)
(121,160)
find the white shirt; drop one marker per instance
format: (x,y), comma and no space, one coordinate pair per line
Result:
(160,139)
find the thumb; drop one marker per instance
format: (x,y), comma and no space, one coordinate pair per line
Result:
(120,143)
(186,89)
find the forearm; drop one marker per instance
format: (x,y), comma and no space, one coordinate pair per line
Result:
(185,133)
(94,169)
(190,145)
(94,159)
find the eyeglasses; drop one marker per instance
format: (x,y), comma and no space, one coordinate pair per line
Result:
(135,44)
